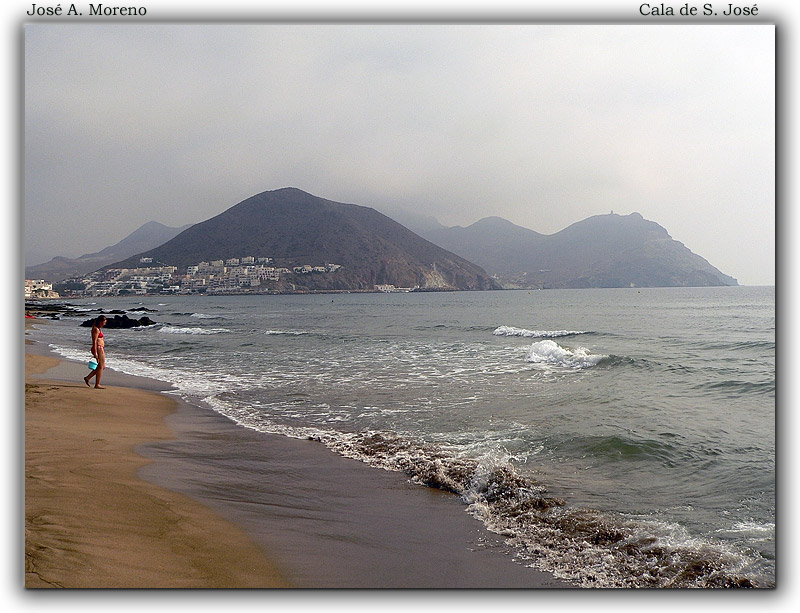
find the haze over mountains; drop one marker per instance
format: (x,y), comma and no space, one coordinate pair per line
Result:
(295,228)
(601,251)
(148,236)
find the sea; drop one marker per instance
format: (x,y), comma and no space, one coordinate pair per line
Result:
(612,437)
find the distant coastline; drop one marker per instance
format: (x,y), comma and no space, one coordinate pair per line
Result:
(289,241)
(32,304)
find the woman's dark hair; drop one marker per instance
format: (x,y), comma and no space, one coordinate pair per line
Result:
(100,320)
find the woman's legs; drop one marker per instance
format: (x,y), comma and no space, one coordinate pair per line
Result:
(97,372)
(101,364)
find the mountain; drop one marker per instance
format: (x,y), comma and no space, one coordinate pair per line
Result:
(418,223)
(148,236)
(601,251)
(295,229)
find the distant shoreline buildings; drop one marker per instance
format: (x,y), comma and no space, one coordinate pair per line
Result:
(247,274)
(39,288)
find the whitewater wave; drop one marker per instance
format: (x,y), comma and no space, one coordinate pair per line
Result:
(587,547)
(551,353)
(180,330)
(757,531)
(512,331)
(286,332)
(70,353)
(204,316)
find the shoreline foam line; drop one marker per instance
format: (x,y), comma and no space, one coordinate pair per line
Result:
(327,521)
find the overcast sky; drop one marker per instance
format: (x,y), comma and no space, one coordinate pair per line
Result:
(543,125)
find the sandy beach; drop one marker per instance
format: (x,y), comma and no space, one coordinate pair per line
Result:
(90,522)
(126,487)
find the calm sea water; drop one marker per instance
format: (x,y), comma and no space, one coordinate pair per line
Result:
(616,437)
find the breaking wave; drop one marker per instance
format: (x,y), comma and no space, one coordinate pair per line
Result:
(551,353)
(584,546)
(512,331)
(181,330)
(587,547)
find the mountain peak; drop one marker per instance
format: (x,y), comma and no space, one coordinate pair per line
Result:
(147,236)
(295,229)
(608,250)
(612,227)
(492,221)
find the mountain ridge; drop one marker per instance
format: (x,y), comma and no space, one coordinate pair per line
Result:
(296,228)
(146,236)
(600,251)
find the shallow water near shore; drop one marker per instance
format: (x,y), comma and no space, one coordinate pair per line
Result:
(619,438)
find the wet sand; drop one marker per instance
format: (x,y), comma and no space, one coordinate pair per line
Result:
(91,522)
(331,521)
(304,516)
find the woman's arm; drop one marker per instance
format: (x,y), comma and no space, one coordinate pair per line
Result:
(95,333)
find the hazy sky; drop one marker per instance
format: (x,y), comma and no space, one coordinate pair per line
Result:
(543,125)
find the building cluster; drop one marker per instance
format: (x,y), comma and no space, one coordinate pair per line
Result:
(237,275)
(232,276)
(391,289)
(39,288)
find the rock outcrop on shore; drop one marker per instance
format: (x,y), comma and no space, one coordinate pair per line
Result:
(121,321)
(58,310)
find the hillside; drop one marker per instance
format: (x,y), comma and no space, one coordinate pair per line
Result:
(146,237)
(295,228)
(601,251)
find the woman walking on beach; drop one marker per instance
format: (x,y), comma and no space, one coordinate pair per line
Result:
(98,351)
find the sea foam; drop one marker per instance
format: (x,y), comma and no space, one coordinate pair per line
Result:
(180,330)
(550,352)
(587,547)
(512,331)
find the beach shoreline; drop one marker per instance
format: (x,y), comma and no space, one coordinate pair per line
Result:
(91,522)
(303,516)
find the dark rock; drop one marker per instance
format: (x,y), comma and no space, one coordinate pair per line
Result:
(54,310)
(121,322)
